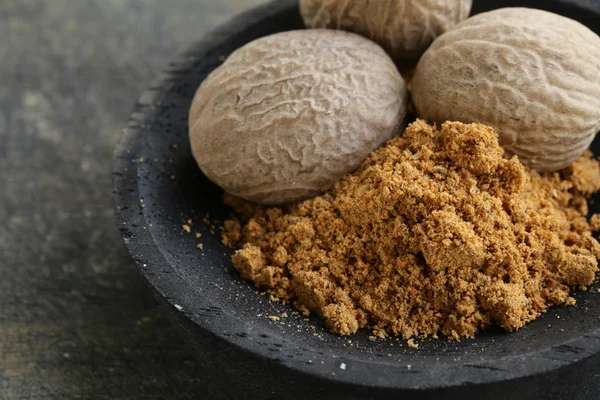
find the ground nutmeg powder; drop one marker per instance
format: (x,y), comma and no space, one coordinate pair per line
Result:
(436,232)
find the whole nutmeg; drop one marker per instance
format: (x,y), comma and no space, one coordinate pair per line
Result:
(532,75)
(287,115)
(404,28)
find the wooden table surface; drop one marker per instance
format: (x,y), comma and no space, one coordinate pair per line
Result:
(76,320)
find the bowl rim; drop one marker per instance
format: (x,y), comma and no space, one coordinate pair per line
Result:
(183,299)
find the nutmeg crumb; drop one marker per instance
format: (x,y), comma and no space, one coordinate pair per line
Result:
(435,233)
(595,223)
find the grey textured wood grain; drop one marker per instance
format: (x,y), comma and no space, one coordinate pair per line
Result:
(76,321)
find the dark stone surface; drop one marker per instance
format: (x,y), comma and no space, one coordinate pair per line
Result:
(76,320)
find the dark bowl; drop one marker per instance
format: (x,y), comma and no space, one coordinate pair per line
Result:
(158,188)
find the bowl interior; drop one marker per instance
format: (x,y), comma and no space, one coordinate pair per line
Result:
(172,191)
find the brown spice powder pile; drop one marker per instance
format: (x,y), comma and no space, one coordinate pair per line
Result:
(435,232)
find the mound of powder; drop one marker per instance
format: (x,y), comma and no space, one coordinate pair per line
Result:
(435,233)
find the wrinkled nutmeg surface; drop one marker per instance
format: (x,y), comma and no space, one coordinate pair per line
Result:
(532,75)
(404,28)
(287,115)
